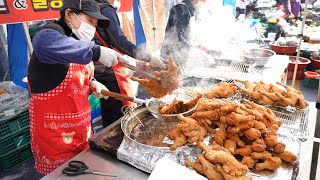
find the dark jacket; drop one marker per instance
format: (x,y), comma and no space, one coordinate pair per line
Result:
(54,48)
(177,29)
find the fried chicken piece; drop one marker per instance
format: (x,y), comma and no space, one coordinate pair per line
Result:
(240,127)
(220,135)
(206,124)
(279,148)
(195,165)
(295,96)
(227,176)
(213,115)
(288,156)
(271,163)
(205,104)
(257,96)
(236,138)
(229,163)
(209,169)
(260,126)
(179,138)
(261,155)
(270,95)
(221,90)
(252,134)
(191,129)
(178,106)
(236,119)
(259,145)
(271,139)
(231,145)
(217,147)
(168,82)
(245,151)
(249,161)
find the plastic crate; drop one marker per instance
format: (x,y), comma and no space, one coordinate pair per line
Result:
(15,123)
(311,83)
(14,140)
(14,101)
(15,158)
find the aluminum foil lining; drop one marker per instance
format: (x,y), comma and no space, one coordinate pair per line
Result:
(145,157)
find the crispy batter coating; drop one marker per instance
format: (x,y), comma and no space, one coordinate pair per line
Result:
(167,82)
(259,145)
(271,163)
(221,90)
(261,155)
(279,147)
(249,161)
(209,169)
(228,162)
(288,156)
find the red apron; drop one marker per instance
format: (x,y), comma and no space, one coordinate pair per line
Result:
(60,119)
(121,73)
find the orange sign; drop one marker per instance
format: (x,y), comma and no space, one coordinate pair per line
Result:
(14,11)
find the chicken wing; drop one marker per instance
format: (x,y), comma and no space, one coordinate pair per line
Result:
(249,161)
(279,148)
(271,163)
(252,134)
(261,155)
(209,169)
(229,163)
(227,176)
(168,82)
(231,145)
(245,151)
(288,156)
(259,145)
(221,90)
(195,165)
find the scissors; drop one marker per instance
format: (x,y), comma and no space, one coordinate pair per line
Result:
(78,167)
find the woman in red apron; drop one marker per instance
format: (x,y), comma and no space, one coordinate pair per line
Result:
(59,75)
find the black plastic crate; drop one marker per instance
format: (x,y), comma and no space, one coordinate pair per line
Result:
(14,124)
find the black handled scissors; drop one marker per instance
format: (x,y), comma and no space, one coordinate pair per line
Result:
(78,167)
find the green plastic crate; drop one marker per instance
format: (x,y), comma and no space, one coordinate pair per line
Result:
(311,83)
(15,158)
(14,140)
(15,123)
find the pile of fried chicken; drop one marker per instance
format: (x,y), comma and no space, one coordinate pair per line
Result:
(178,106)
(166,82)
(246,130)
(220,90)
(268,94)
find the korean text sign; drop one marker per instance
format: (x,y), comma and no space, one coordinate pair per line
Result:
(14,11)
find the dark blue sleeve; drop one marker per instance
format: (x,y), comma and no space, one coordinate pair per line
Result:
(52,47)
(116,31)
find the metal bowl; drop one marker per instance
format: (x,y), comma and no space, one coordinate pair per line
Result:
(154,104)
(258,56)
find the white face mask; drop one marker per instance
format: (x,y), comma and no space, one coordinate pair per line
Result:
(85,31)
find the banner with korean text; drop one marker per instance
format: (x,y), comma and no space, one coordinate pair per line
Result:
(14,11)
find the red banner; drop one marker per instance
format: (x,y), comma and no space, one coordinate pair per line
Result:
(14,11)
(126,6)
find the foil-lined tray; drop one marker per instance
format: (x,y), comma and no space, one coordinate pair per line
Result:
(145,157)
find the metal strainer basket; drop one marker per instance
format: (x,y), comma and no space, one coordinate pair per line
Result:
(154,103)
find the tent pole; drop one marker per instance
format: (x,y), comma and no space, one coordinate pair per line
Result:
(154,26)
(26,31)
(300,41)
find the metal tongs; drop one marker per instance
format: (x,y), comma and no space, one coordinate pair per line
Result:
(125,60)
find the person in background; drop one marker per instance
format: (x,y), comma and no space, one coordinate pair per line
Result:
(284,10)
(116,78)
(295,8)
(60,74)
(176,41)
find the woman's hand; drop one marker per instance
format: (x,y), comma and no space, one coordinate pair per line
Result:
(96,88)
